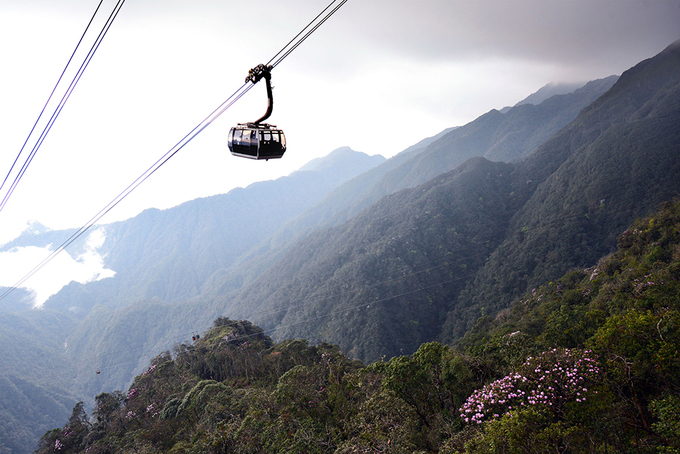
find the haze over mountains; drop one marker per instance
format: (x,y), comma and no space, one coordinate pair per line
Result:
(377,256)
(212,233)
(168,254)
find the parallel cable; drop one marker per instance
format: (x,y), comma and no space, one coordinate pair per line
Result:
(63,100)
(325,296)
(49,98)
(132,186)
(316,27)
(303,30)
(207,121)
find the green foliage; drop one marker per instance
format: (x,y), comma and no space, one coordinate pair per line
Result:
(358,279)
(384,423)
(626,310)
(205,392)
(667,412)
(529,431)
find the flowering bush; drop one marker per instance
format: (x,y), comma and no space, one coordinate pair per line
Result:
(133,392)
(494,399)
(151,410)
(549,380)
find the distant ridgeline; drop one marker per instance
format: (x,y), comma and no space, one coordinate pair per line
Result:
(586,363)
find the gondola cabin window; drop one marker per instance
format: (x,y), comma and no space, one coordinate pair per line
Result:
(257,141)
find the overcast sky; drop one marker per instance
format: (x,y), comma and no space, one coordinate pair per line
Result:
(379,76)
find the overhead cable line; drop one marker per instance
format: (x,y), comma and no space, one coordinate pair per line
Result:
(207,121)
(49,98)
(333,312)
(62,102)
(312,26)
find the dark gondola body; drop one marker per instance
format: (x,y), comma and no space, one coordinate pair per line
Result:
(257,141)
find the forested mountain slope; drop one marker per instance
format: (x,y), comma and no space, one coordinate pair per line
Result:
(548,91)
(497,136)
(586,364)
(340,204)
(350,198)
(420,264)
(104,338)
(379,284)
(35,389)
(49,360)
(615,162)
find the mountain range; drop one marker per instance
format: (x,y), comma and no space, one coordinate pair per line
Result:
(377,256)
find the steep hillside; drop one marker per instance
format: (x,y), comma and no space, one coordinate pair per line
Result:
(498,137)
(423,263)
(615,162)
(338,206)
(119,343)
(378,285)
(349,199)
(16,301)
(624,312)
(36,391)
(548,91)
(165,254)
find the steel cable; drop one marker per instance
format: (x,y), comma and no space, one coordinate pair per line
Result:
(297,44)
(303,30)
(49,98)
(62,103)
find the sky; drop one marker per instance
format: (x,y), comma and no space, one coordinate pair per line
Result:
(379,76)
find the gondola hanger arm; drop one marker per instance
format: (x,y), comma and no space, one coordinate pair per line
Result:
(255,75)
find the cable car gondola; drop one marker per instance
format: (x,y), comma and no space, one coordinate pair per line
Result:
(258,140)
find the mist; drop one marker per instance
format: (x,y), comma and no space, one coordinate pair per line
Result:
(59,272)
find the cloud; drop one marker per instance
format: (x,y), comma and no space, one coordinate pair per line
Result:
(59,272)
(574,32)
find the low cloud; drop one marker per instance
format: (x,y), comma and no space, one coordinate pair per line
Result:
(59,272)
